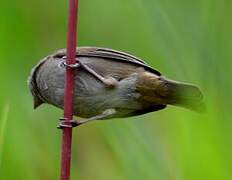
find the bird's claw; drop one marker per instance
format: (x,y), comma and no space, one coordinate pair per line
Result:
(68,123)
(72,66)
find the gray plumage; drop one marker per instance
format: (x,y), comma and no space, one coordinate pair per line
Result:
(136,88)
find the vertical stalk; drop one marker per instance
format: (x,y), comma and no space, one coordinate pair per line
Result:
(69,90)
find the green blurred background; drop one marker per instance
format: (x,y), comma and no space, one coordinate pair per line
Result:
(187,40)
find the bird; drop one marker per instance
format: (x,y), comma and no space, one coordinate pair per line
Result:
(109,84)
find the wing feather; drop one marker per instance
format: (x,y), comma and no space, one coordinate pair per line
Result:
(109,54)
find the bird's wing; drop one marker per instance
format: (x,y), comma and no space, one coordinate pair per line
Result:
(109,54)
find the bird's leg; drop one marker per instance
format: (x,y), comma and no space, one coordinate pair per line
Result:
(73,123)
(110,81)
(104,114)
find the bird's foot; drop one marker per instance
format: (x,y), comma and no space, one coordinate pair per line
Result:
(64,123)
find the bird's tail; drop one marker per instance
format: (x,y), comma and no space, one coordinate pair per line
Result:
(182,94)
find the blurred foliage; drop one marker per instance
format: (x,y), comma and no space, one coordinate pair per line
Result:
(187,40)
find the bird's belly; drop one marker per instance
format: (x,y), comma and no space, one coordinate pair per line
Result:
(92,97)
(87,107)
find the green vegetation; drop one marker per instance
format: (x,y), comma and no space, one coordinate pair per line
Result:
(186,40)
(2,130)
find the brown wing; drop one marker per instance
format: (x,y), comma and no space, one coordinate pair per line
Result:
(109,54)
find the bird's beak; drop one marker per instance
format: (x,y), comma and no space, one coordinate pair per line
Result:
(37,102)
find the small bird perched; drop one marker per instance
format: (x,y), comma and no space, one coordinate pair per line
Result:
(109,84)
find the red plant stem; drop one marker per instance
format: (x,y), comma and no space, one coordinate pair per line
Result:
(69,90)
